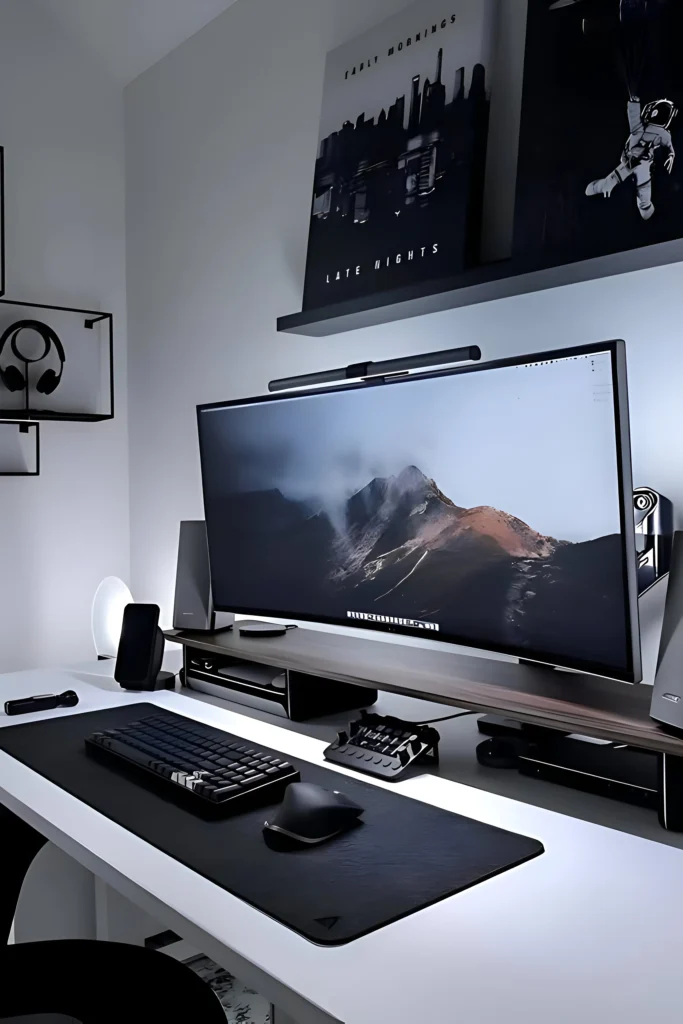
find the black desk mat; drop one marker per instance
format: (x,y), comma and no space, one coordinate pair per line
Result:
(405,856)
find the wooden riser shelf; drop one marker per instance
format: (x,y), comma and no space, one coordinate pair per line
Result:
(540,696)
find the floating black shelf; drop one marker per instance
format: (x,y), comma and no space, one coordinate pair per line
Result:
(481,284)
(32,469)
(90,356)
(47,416)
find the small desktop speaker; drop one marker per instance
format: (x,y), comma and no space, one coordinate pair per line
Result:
(141,650)
(193,610)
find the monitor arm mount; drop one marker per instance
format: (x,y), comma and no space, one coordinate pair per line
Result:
(654,519)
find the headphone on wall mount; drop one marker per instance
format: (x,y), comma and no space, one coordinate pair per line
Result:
(12,377)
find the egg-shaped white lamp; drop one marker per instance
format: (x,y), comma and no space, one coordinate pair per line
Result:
(111,598)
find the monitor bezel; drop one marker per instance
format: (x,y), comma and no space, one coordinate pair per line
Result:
(617,350)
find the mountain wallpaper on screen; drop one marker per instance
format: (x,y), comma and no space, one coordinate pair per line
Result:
(401,547)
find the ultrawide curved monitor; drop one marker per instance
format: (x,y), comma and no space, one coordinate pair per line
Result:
(489,506)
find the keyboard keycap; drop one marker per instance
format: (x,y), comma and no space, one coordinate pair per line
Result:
(218,793)
(252,781)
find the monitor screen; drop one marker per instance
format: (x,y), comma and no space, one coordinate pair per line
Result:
(489,506)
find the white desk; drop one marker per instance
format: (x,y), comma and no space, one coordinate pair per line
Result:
(589,932)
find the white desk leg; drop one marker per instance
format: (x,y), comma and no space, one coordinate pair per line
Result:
(119,920)
(57,899)
(101,911)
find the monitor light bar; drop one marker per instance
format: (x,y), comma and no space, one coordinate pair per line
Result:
(469,353)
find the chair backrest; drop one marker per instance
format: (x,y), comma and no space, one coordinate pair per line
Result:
(40,1018)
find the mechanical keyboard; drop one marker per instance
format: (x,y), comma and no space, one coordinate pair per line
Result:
(384,746)
(213,768)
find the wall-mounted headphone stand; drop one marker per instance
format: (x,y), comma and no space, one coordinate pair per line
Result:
(38,374)
(41,388)
(42,378)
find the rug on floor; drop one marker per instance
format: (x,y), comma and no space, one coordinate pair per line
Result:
(241,1004)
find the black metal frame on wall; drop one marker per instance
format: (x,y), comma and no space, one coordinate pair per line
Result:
(24,428)
(28,310)
(2,221)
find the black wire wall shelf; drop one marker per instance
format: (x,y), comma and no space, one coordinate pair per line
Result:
(85,389)
(2,221)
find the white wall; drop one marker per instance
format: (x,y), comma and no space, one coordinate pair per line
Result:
(62,128)
(221,142)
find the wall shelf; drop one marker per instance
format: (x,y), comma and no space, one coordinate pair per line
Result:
(85,393)
(19,448)
(481,284)
(56,417)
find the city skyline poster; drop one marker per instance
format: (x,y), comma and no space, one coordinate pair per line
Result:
(402,148)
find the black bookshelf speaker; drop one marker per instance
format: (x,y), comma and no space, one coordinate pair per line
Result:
(670,790)
(193,609)
(141,650)
(667,696)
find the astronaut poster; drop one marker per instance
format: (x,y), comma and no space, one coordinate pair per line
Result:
(402,145)
(598,171)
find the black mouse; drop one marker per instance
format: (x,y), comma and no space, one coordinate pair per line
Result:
(499,752)
(311,814)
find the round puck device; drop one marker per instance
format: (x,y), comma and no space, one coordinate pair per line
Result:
(261,629)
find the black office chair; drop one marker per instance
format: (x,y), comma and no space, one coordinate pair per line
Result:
(86,981)
(40,1018)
